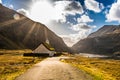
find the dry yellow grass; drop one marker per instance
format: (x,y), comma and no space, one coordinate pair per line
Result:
(3,51)
(12,64)
(100,69)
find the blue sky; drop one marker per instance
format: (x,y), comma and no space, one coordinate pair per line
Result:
(71,19)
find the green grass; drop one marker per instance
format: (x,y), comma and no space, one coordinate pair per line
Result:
(100,69)
(12,63)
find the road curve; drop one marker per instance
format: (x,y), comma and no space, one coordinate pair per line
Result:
(53,69)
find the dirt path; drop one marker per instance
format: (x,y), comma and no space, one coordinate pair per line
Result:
(53,69)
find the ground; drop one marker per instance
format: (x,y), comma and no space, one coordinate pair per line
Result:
(13,63)
(53,69)
(99,68)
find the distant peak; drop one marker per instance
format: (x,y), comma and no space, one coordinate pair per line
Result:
(105,30)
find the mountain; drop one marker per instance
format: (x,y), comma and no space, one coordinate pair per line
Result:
(104,41)
(20,32)
(105,30)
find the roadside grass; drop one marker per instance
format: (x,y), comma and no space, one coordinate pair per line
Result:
(100,69)
(13,63)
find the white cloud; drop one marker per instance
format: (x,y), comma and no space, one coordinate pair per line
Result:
(68,40)
(44,11)
(82,31)
(94,5)
(80,27)
(23,12)
(84,19)
(11,6)
(0,1)
(80,35)
(71,39)
(114,12)
(70,7)
(60,28)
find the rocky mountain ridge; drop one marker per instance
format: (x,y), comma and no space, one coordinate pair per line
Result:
(104,41)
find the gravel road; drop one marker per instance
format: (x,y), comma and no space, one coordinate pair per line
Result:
(53,69)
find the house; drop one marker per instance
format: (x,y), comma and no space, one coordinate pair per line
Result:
(44,48)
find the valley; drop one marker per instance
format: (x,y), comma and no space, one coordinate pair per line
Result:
(96,56)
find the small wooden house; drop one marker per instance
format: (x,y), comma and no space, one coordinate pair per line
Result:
(44,48)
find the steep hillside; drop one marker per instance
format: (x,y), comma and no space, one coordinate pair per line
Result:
(22,33)
(105,30)
(104,41)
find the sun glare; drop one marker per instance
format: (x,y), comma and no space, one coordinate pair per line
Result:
(41,11)
(44,12)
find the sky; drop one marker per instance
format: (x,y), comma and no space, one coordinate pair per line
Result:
(72,20)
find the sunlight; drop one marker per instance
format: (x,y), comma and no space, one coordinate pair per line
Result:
(30,31)
(41,12)
(44,12)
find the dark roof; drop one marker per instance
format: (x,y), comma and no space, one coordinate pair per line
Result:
(48,46)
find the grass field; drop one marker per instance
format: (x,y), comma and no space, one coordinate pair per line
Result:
(100,69)
(12,63)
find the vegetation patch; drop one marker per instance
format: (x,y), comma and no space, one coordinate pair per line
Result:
(13,64)
(100,69)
